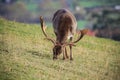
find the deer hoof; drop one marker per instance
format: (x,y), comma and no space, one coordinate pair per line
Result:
(67,57)
(63,58)
(54,58)
(71,59)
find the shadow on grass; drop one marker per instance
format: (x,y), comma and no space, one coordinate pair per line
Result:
(3,47)
(42,55)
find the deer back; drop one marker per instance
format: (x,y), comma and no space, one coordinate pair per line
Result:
(64,24)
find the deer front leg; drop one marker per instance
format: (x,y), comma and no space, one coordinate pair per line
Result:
(71,52)
(63,53)
(71,49)
(66,53)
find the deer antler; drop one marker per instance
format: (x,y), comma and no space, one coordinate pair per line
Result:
(43,29)
(43,26)
(83,32)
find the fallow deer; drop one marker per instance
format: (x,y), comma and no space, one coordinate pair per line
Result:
(64,25)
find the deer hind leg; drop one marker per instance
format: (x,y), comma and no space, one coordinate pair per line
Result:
(70,46)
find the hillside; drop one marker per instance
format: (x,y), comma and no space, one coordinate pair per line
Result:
(25,55)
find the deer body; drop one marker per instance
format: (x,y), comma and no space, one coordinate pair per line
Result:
(64,25)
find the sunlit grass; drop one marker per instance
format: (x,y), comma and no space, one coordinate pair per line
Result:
(25,55)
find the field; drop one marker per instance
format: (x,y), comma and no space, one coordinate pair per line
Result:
(25,55)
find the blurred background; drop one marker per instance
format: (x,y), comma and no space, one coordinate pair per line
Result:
(101,17)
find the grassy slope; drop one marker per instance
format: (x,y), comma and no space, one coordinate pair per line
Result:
(25,55)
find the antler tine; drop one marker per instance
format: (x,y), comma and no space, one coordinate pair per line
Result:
(83,32)
(43,29)
(53,41)
(43,26)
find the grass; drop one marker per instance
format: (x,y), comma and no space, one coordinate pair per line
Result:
(90,3)
(25,55)
(82,3)
(81,24)
(32,7)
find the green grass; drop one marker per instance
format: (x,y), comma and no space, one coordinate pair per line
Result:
(25,55)
(81,24)
(31,7)
(90,3)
